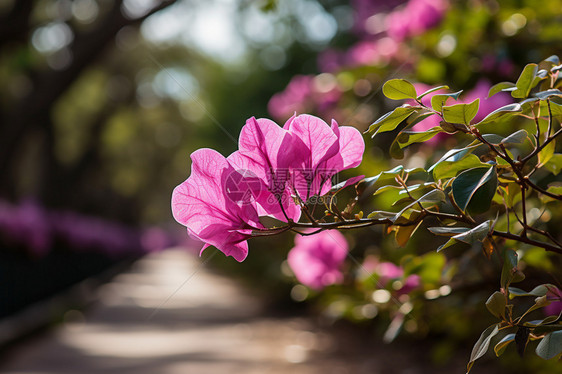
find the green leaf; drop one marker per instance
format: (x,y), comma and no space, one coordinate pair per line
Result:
(555,189)
(437,101)
(386,188)
(382,177)
(399,89)
(496,304)
(476,234)
(509,268)
(503,86)
(448,231)
(406,138)
(555,109)
(550,346)
(477,185)
(461,113)
(380,214)
(454,155)
(554,165)
(404,233)
(547,152)
(391,120)
(449,169)
(432,90)
(481,346)
(502,344)
(538,291)
(525,82)
(543,95)
(510,109)
(553,60)
(429,199)
(518,137)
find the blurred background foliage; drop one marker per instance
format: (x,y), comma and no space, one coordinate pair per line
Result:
(102,101)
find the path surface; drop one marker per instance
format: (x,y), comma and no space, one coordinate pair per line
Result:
(208,325)
(169,314)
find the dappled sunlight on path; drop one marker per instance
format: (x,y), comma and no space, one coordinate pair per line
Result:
(169,314)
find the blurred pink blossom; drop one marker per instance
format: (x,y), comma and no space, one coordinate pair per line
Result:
(316,260)
(387,273)
(416,17)
(302,95)
(38,230)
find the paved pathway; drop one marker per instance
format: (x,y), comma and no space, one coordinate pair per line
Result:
(168,315)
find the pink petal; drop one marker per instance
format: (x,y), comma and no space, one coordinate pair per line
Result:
(318,137)
(202,204)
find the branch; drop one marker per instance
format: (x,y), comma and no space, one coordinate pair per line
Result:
(546,246)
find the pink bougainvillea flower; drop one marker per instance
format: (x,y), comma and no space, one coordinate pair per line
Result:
(316,260)
(388,272)
(202,204)
(554,295)
(305,93)
(329,150)
(415,18)
(270,152)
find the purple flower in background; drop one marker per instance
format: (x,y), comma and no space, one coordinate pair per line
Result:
(554,295)
(316,260)
(416,17)
(27,224)
(305,93)
(202,205)
(363,10)
(388,272)
(39,230)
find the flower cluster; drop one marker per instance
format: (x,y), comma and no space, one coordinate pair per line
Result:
(381,28)
(305,93)
(273,173)
(390,276)
(38,230)
(316,260)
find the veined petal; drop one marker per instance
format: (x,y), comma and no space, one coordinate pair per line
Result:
(318,137)
(352,147)
(208,209)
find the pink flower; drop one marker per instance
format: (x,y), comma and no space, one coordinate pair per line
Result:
(304,93)
(211,215)
(270,152)
(316,260)
(388,272)
(329,150)
(554,295)
(415,18)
